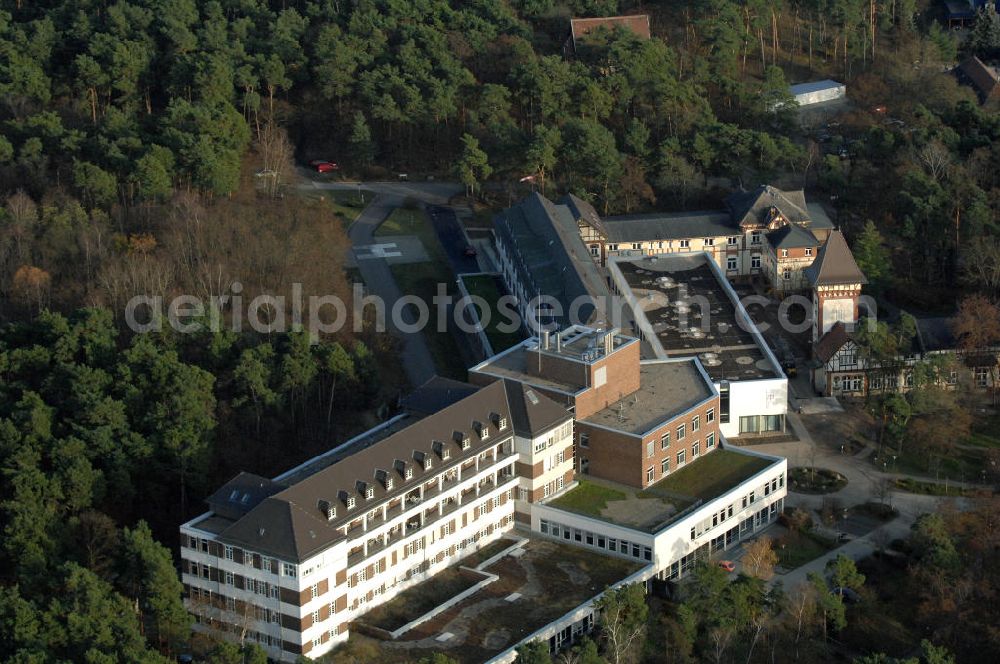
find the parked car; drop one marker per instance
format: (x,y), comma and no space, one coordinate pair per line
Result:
(847,595)
(727,565)
(843,537)
(324,166)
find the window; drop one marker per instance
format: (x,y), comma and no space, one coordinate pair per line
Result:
(710,415)
(733,240)
(685,244)
(316,616)
(369,493)
(612,247)
(230,603)
(649,449)
(809,251)
(696,449)
(665,440)
(982,377)
(317,642)
(731,263)
(584,439)
(288,569)
(229,578)
(784,253)
(665,466)
(522,493)
(229,552)
(749,424)
(681,432)
(649,474)
(408,473)
(755,237)
(351,503)
(709,241)
(786,274)
(710,441)
(314,591)
(502,423)
(595,250)
(637,245)
(484,433)
(952,377)
(696,423)
(755,261)
(680,458)
(540,446)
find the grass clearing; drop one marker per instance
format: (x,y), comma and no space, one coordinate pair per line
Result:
(487,552)
(421,279)
(487,286)
(415,602)
(588,498)
(711,475)
(798,547)
(911,485)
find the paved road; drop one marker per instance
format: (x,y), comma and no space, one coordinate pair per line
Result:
(416,357)
(453,239)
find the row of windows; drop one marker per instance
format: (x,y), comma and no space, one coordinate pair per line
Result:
(229,553)
(731,241)
(600,541)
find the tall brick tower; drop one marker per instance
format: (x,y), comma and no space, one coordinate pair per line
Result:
(836,282)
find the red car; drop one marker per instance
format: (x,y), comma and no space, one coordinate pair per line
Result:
(324,166)
(727,565)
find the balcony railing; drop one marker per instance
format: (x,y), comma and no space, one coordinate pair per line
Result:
(375,546)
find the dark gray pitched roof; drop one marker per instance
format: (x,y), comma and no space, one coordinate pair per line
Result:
(531,411)
(792,236)
(241,494)
(835,264)
(982,78)
(752,208)
(551,258)
(581,209)
(290,524)
(935,334)
(669,226)
(436,394)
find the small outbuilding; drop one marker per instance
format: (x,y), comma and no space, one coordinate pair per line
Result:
(818,92)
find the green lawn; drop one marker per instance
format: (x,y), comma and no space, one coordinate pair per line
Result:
(963,464)
(711,475)
(403,221)
(796,548)
(415,602)
(910,485)
(421,279)
(486,287)
(588,498)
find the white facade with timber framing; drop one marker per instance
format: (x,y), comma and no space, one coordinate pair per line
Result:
(766,233)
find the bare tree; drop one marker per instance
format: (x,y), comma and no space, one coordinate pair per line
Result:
(936,159)
(981,263)
(760,559)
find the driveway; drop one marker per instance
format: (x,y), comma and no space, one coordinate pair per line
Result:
(453,238)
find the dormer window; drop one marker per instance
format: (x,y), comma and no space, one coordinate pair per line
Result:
(328,509)
(466,443)
(482,429)
(462,439)
(445,454)
(369,493)
(351,503)
(408,472)
(388,483)
(501,423)
(441,449)
(425,460)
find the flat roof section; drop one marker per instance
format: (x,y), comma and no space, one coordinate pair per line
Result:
(668,389)
(691,313)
